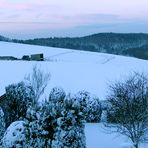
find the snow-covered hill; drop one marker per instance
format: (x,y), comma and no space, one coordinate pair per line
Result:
(73,70)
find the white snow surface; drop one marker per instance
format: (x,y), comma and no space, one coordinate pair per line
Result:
(98,136)
(15,132)
(73,71)
(70,69)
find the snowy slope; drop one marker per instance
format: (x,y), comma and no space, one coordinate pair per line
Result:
(73,70)
(98,136)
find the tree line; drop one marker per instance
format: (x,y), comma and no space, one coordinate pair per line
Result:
(129,44)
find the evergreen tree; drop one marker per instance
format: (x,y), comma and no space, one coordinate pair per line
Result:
(19,97)
(35,134)
(94,110)
(70,129)
(58,123)
(90,106)
(57,94)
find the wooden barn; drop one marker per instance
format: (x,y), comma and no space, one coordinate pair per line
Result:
(8,58)
(37,57)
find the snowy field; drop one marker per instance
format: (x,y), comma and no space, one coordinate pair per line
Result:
(73,71)
(97,136)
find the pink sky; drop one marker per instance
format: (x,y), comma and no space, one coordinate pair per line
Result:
(54,17)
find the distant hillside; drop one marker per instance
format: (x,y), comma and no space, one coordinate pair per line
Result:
(139,52)
(2,38)
(131,44)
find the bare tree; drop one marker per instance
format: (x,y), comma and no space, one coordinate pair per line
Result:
(39,81)
(127,113)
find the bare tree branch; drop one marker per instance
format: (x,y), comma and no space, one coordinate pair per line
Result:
(39,81)
(128,108)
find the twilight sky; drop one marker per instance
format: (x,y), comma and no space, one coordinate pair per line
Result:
(46,18)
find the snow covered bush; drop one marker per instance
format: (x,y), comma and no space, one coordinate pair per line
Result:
(2,123)
(82,98)
(57,94)
(70,127)
(41,124)
(90,106)
(94,111)
(19,97)
(36,136)
(73,137)
(58,123)
(14,135)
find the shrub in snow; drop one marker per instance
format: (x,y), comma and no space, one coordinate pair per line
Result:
(2,123)
(42,123)
(57,123)
(70,127)
(19,97)
(104,104)
(89,105)
(36,136)
(73,137)
(14,135)
(94,111)
(57,94)
(61,118)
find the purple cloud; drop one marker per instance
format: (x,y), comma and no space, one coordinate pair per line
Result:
(54,16)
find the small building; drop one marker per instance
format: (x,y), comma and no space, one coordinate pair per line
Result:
(8,58)
(26,57)
(37,57)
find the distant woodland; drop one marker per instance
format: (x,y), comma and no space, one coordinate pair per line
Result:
(129,44)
